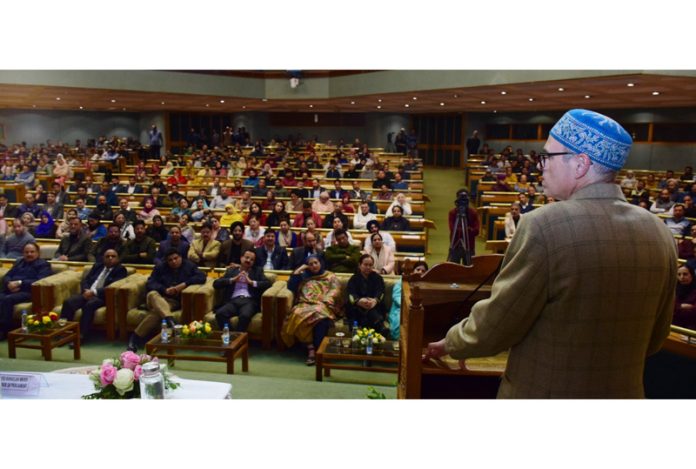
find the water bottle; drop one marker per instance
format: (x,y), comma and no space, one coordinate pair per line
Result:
(368,346)
(25,328)
(151,382)
(354,336)
(164,336)
(226,335)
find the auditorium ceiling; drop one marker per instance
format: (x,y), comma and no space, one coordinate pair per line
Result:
(636,91)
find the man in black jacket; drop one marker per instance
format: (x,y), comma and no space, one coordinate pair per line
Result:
(243,286)
(164,288)
(270,256)
(76,246)
(91,298)
(299,255)
(16,284)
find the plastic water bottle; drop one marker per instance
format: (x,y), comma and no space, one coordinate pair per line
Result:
(354,334)
(164,336)
(226,335)
(368,346)
(25,328)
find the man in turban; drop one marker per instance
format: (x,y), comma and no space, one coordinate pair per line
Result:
(586,288)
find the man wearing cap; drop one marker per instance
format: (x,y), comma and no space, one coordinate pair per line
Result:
(586,288)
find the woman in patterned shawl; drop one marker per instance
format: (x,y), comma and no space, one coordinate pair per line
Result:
(318,295)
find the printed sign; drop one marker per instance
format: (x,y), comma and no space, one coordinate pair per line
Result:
(20,384)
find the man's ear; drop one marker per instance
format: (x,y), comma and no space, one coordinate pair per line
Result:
(583,163)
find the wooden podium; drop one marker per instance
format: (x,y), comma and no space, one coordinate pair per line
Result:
(431,304)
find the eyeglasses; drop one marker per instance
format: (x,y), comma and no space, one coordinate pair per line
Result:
(544,156)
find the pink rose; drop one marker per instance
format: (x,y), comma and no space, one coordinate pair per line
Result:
(129,360)
(107,374)
(137,372)
(144,358)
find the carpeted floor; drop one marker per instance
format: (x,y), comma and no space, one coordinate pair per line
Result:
(274,375)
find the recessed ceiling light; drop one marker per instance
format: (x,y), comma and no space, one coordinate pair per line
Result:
(456,95)
(207,105)
(379,107)
(33,105)
(483,102)
(561,89)
(113,100)
(406,105)
(587,96)
(243,107)
(124,108)
(264,100)
(352,102)
(494,111)
(379,100)
(58,98)
(415,98)
(162,102)
(222,101)
(655,93)
(311,105)
(531,99)
(442,104)
(630,85)
(503,92)
(81,107)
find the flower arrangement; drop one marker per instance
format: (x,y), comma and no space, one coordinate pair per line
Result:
(196,330)
(41,323)
(363,334)
(118,378)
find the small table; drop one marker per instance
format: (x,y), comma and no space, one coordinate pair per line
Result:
(331,351)
(238,347)
(48,340)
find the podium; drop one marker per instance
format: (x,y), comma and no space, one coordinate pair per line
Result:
(431,304)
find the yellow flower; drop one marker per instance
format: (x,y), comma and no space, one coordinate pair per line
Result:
(208,328)
(46,319)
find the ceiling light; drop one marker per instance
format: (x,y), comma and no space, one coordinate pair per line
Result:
(379,100)
(531,99)
(207,105)
(415,98)
(503,92)
(58,98)
(264,100)
(655,93)
(494,111)
(243,107)
(456,95)
(587,96)
(124,108)
(406,105)
(442,104)
(561,89)
(162,102)
(33,105)
(483,102)
(81,107)
(222,101)
(113,100)
(352,102)
(311,105)
(379,107)
(630,85)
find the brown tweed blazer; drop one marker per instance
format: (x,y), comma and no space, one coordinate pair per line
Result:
(585,293)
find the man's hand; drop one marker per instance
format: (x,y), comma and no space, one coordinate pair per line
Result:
(435,350)
(88,294)
(13,286)
(63,258)
(171,291)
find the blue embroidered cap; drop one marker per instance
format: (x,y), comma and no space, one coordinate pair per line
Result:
(598,136)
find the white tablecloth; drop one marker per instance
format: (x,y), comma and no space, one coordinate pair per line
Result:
(74,386)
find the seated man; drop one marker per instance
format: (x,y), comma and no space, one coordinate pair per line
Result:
(363,216)
(29,206)
(76,246)
(164,288)
(91,298)
(337,212)
(16,285)
(269,255)
(82,211)
(204,251)
(244,286)
(231,250)
(112,240)
(387,238)
(301,254)
(141,249)
(174,241)
(342,256)
(13,247)
(678,224)
(307,213)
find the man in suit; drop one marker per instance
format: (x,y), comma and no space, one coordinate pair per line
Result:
(174,241)
(141,249)
(269,255)
(243,286)
(356,192)
(300,254)
(6,210)
(582,296)
(204,251)
(164,287)
(231,250)
(91,298)
(112,241)
(337,192)
(76,246)
(132,187)
(16,284)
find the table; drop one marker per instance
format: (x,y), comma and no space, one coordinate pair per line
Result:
(74,386)
(48,340)
(216,352)
(330,354)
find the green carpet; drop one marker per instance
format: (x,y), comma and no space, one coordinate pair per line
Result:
(274,375)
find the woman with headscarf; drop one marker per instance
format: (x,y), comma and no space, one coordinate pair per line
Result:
(396,222)
(230,216)
(366,297)
(383,256)
(685,300)
(402,202)
(278,213)
(157,230)
(317,294)
(148,211)
(47,227)
(61,169)
(270,200)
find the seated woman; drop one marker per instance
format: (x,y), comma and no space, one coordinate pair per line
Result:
(157,230)
(331,236)
(402,202)
(181,209)
(512,218)
(317,294)
(231,215)
(382,255)
(270,201)
(419,268)
(149,211)
(312,228)
(346,204)
(396,222)
(685,300)
(124,226)
(186,230)
(366,297)
(47,227)
(278,213)
(219,233)
(255,209)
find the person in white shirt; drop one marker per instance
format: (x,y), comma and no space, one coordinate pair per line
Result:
(254,232)
(629,181)
(363,216)
(221,200)
(512,218)
(401,201)
(387,238)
